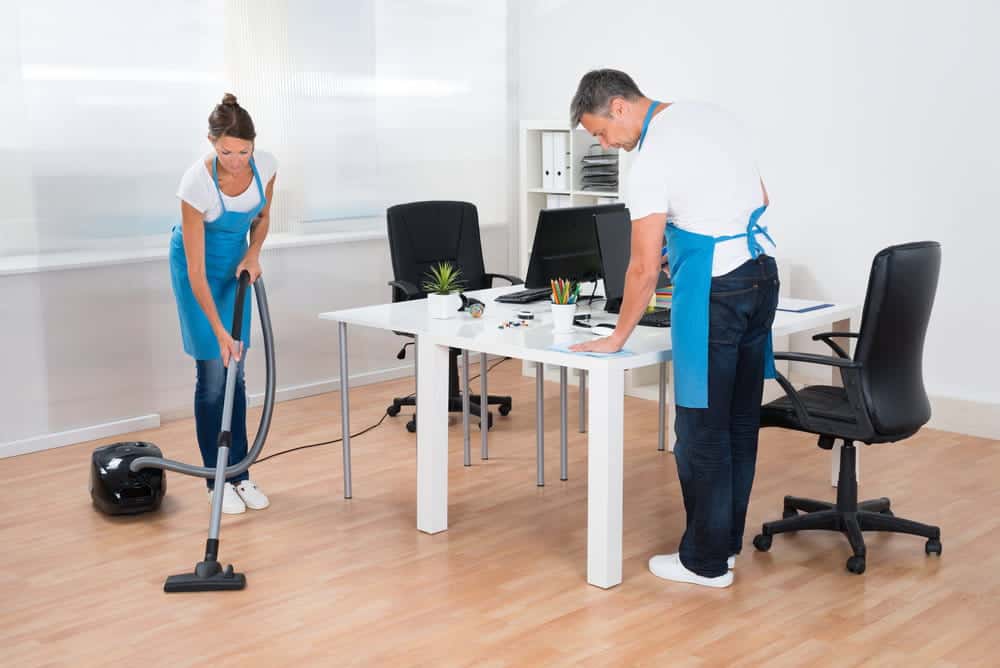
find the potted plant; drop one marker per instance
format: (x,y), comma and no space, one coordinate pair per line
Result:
(442,285)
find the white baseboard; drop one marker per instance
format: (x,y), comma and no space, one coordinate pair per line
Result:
(93,432)
(72,436)
(967,417)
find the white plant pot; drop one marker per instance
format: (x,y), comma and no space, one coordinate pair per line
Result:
(443,307)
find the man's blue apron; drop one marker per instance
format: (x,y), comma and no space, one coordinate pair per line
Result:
(225,247)
(690,256)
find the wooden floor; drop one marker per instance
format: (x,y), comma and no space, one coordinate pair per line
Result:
(334,582)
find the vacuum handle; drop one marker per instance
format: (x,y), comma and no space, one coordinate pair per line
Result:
(241,293)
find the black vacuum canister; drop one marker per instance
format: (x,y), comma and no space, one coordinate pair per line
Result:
(115,489)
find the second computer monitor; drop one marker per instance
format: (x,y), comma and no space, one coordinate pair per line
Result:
(614,234)
(566,245)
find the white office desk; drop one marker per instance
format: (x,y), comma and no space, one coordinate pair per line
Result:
(606,397)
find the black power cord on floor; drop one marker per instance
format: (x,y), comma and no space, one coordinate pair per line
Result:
(366,429)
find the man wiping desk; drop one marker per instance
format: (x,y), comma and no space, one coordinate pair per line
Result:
(695,183)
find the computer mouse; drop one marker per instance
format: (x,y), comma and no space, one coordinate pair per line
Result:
(602,329)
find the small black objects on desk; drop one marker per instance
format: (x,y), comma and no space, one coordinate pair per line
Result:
(525,315)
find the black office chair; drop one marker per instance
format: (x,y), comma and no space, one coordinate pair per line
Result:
(882,401)
(422,234)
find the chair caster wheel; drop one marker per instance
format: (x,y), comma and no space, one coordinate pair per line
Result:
(504,409)
(789,513)
(888,513)
(489,422)
(762,542)
(411,426)
(933,546)
(856,565)
(392,411)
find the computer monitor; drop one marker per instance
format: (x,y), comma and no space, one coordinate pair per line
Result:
(566,245)
(614,237)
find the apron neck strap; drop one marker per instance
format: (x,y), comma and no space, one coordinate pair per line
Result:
(645,123)
(215,180)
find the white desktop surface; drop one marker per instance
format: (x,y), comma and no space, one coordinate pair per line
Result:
(533,342)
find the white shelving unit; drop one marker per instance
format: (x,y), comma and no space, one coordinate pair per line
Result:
(532,196)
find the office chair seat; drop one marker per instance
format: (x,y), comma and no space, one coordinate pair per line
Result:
(825,401)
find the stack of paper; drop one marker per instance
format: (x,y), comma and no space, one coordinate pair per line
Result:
(599,171)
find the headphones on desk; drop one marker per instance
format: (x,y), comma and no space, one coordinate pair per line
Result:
(474,307)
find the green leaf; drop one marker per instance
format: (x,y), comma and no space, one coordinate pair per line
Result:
(443,279)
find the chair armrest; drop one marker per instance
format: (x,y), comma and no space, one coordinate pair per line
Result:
(800,408)
(826,336)
(839,362)
(513,280)
(409,290)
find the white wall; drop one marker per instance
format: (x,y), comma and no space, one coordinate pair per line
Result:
(82,347)
(877,123)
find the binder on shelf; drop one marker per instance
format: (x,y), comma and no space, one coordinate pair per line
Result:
(548,161)
(560,156)
(557,201)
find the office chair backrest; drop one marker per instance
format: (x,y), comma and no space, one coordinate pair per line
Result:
(421,234)
(901,290)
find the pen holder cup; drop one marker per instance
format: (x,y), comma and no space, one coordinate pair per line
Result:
(562,318)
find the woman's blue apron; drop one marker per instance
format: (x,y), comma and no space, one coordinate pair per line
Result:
(225,248)
(690,256)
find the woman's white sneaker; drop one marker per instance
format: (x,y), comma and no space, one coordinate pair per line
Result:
(669,567)
(252,496)
(232,504)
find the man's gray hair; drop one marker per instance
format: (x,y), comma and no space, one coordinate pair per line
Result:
(596,90)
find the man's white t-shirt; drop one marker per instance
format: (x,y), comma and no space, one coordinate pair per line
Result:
(198,189)
(697,166)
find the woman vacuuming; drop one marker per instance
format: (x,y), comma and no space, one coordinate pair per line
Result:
(223,197)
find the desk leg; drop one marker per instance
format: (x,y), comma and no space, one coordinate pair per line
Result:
(669,409)
(466,442)
(345,408)
(583,400)
(604,477)
(540,423)
(838,381)
(432,438)
(662,409)
(484,410)
(563,423)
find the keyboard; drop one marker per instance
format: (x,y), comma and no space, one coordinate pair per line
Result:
(656,319)
(525,296)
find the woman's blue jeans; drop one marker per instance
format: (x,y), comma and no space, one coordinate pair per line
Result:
(209,398)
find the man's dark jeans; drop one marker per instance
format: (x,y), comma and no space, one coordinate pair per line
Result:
(716,448)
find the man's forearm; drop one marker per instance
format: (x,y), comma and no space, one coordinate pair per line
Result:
(639,286)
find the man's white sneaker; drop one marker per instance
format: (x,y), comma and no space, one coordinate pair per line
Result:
(252,496)
(731,562)
(669,567)
(232,504)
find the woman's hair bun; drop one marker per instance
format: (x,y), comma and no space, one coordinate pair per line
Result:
(229,100)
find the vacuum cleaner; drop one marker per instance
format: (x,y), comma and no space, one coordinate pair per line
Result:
(128,478)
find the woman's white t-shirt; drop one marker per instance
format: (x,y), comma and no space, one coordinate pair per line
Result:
(198,189)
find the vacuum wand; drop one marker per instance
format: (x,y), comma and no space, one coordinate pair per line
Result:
(208,574)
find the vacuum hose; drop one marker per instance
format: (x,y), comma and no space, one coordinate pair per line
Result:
(265,416)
